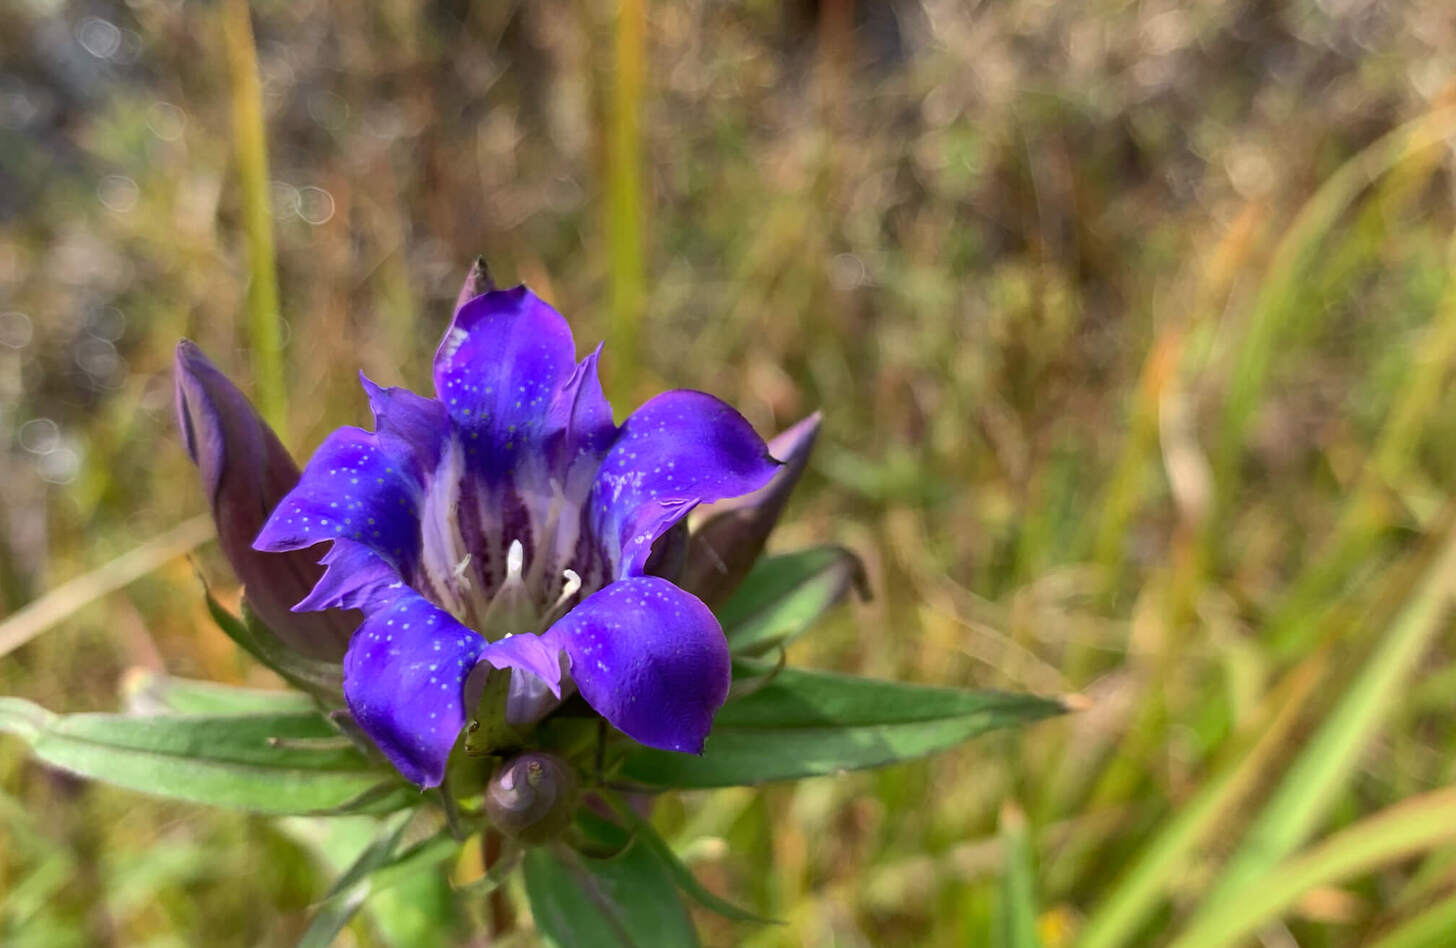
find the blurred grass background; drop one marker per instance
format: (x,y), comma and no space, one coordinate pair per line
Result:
(1132,324)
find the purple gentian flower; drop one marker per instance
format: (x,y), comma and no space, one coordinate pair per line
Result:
(509,521)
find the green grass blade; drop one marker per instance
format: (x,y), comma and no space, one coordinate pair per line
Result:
(1432,928)
(1280,294)
(1410,827)
(1317,777)
(1365,513)
(1016,911)
(1142,887)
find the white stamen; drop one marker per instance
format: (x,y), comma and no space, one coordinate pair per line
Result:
(460,569)
(563,602)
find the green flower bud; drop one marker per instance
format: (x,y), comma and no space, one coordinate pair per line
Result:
(532,797)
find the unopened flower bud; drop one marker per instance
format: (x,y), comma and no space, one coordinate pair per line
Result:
(246,471)
(531,797)
(728,536)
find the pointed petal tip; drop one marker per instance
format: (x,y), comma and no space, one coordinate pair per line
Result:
(794,443)
(477,282)
(187,350)
(729,535)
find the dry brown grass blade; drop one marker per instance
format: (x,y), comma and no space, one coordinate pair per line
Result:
(71,596)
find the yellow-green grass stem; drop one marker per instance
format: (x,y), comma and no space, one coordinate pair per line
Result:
(624,207)
(251,143)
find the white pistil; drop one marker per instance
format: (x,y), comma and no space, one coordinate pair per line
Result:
(510,611)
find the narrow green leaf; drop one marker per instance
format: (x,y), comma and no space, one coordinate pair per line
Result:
(403,907)
(1409,827)
(333,916)
(628,900)
(386,796)
(1432,928)
(424,855)
(267,763)
(1016,911)
(495,877)
(647,835)
(324,679)
(782,596)
(805,724)
(148,693)
(376,855)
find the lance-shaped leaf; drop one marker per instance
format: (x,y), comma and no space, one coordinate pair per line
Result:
(808,724)
(646,835)
(266,763)
(246,471)
(399,887)
(628,901)
(346,896)
(784,595)
(730,534)
(147,692)
(319,677)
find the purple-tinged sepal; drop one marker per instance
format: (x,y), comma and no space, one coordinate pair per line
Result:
(246,471)
(727,537)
